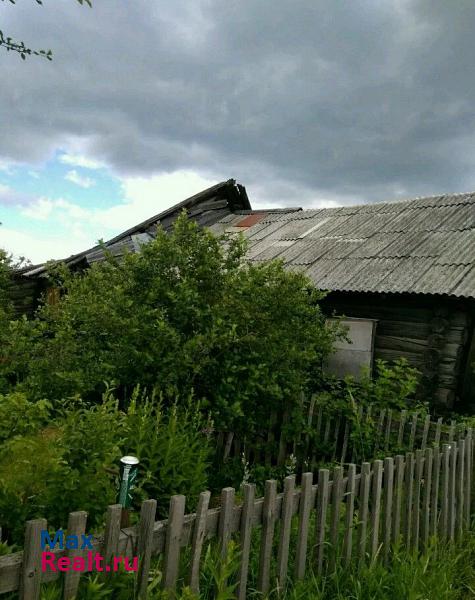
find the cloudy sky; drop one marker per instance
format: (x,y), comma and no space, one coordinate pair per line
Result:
(305,102)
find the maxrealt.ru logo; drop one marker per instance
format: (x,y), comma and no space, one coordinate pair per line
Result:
(89,561)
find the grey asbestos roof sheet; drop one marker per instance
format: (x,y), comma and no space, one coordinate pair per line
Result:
(425,245)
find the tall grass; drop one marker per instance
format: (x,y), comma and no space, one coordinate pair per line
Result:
(443,572)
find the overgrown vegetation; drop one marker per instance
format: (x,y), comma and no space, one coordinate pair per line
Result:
(57,462)
(153,355)
(148,356)
(184,316)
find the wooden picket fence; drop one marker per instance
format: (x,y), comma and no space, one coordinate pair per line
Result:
(331,436)
(342,515)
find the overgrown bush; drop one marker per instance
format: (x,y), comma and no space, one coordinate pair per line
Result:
(72,463)
(392,386)
(186,315)
(174,447)
(19,416)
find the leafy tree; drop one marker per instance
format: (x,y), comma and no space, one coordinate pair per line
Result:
(5,270)
(10,44)
(5,303)
(186,315)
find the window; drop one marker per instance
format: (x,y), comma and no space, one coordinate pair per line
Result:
(351,357)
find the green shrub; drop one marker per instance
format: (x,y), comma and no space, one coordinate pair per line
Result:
(173,447)
(29,466)
(392,386)
(187,316)
(61,468)
(19,416)
(72,464)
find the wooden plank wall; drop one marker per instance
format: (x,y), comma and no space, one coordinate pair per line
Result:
(25,293)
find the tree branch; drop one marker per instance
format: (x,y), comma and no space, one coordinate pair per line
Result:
(11,45)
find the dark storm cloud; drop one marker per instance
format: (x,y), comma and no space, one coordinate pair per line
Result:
(299,100)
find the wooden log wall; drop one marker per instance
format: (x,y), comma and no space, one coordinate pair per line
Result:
(25,293)
(432,333)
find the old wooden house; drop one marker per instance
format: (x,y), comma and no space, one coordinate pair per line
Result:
(404,270)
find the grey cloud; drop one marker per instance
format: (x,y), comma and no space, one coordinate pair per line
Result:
(300,100)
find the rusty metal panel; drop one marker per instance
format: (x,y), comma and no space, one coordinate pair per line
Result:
(251,220)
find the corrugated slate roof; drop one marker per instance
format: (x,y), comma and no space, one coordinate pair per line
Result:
(425,245)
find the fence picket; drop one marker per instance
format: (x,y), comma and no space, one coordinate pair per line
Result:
(311,409)
(282,440)
(398,497)
(359,419)
(412,438)
(199,532)
(388,491)
(145,541)
(285,527)
(336,437)
(468,477)
(346,436)
(304,523)
(337,495)
(245,538)
(460,499)
(451,431)
(326,434)
(402,423)
(444,500)
(409,484)
(417,498)
(452,488)
(425,432)
(363,510)
(426,512)
(270,439)
(76,526)
(376,506)
(320,525)
(435,513)
(112,531)
(387,436)
(172,542)
(438,432)
(350,510)
(30,579)
(379,430)
(267,536)
(225,518)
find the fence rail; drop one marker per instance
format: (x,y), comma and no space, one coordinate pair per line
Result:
(341,515)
